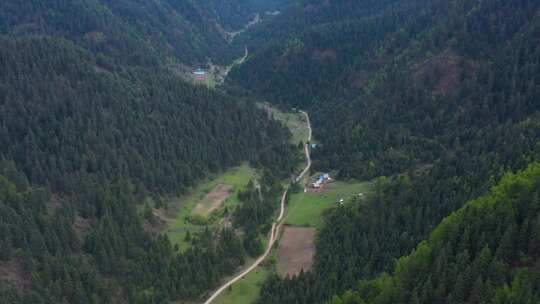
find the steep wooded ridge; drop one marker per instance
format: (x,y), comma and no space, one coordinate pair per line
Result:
(486,252)
(127,31)
(435,99)
(92,123)
(233,15)
(144,33)
(441,96)
(66,119)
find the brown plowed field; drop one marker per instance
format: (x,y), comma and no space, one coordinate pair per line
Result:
(296,250)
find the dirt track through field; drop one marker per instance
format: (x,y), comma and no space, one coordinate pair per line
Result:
(274,232)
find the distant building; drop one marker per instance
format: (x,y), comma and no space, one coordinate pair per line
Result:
(200,74)
(321,181)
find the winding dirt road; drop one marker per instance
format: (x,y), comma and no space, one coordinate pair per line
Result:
(256,19)
(225,72)
(276,226)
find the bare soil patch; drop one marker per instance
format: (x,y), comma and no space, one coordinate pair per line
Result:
(13,273)
(321,55)
(82,226)
(213,199)
(444,70)
(296,250)
(158,223)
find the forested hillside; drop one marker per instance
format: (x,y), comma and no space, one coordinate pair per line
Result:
(441,97)
(51,254)
(234,15)
(93,123)
(486,252)
(142,33)
(408,78)
(66,119)
(434,100)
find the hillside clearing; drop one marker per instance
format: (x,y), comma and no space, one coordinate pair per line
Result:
(296,251)
(184,215)
(306,208)
(213,200)
(295,121)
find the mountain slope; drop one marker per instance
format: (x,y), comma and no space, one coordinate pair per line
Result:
(132,32)
(92,124)
(486,252)
(65,118)
(437,96)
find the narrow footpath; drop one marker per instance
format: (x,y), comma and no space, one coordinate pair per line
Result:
(276,226)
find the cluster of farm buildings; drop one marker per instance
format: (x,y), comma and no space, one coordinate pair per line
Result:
(320,183)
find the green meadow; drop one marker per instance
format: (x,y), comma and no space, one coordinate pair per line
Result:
(246,290)
(184,218)
(295,121)
(306,208)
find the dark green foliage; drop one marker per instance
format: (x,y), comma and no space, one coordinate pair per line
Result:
(480,254)
(441,96)
(130,32)
(90,112)
(434,94)
(253,244)
(67,121)
(234,15)
(258,204)
(143,33)
(42,241)
(419,82)
(116,260)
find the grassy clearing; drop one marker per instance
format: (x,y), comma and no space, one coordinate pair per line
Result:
(210,80)
(295,121)
(305,208)
(246,290)
(184,218)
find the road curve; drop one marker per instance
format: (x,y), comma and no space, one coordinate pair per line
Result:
(223,74)
(274,232)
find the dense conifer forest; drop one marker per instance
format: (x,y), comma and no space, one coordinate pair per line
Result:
(439,96)
(436,101)
(486,252)
(93,122)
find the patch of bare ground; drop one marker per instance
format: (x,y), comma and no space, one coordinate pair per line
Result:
(55,202)
(157,222)
(14,274)
(160,217)
(443,72)
(296,250)
(321,55)
(213,199)
(422,169)
(81,225)
(358,79)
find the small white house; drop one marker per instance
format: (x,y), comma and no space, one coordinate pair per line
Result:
(200,74)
